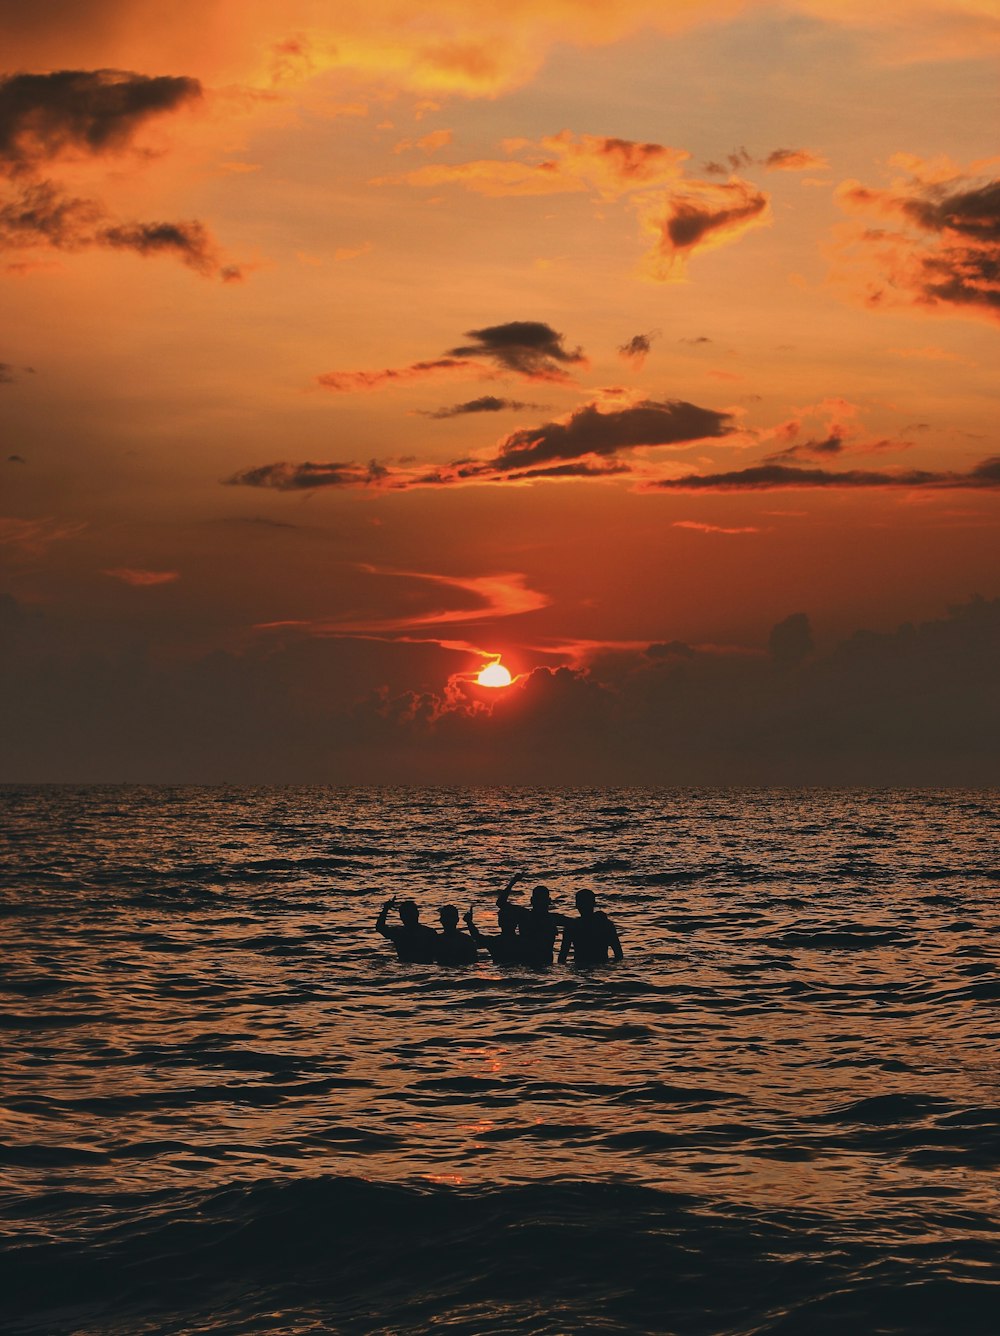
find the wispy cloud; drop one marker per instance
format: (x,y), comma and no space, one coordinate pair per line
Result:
(33,537)
(778,160)
(776,477)
(701,527)
(142,579)
(492,596)
(556,164)
(343,382)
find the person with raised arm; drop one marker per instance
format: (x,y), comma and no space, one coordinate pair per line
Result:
(591,936)
(536,927)
(506,947)
(414,942)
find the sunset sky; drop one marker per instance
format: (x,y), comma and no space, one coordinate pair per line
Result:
(649,347)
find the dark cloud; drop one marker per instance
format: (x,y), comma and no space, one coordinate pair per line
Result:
(189,242)
(45,118)
(527,347)
(487,403)
(950,254)
(773,477)
(973,213)
(791,640)
(585,445)
(16,459)
(81,112)
(7,374)
(691,222)
(42,214)
(696,216)
(638,347)
(588,431)
(307,477)
(702,338)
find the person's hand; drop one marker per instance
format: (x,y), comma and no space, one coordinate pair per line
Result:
(467,917)
(389,903)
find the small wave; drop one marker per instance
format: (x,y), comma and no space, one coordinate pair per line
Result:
(843,937)
(883,1109)
(657,1092)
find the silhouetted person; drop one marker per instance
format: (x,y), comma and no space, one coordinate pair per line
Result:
(505,948)
(591,936)
(453,947)
(536,927)
(414,942)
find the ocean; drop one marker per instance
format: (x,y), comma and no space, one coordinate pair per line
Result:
(227,1107)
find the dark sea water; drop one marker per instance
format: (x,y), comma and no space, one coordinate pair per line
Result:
(226,1107)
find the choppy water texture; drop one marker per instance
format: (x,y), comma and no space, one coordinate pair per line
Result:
(227,1108)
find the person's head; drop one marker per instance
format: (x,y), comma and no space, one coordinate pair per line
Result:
(540,898)
(507,921)
(585,901)
(448,915)
(409,914)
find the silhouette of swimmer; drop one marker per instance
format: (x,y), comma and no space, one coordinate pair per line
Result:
(453,946)
(506,948)
(414,943)
(591,936)
(536,927)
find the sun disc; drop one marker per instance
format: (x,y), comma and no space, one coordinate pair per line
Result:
(494,675)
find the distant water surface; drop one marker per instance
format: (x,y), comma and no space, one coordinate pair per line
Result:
(226,1107)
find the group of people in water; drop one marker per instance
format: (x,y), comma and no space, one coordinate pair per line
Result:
(526,936)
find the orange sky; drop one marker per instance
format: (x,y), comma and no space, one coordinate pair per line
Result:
(349,346)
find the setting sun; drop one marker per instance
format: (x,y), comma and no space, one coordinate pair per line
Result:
(494,675)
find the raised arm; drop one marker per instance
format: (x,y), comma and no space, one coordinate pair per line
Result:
(474,932)
(380,922)
(504,895)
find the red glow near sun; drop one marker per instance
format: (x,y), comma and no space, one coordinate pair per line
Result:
(494,675)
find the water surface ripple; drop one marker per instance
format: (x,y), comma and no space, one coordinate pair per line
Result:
(227,1108)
